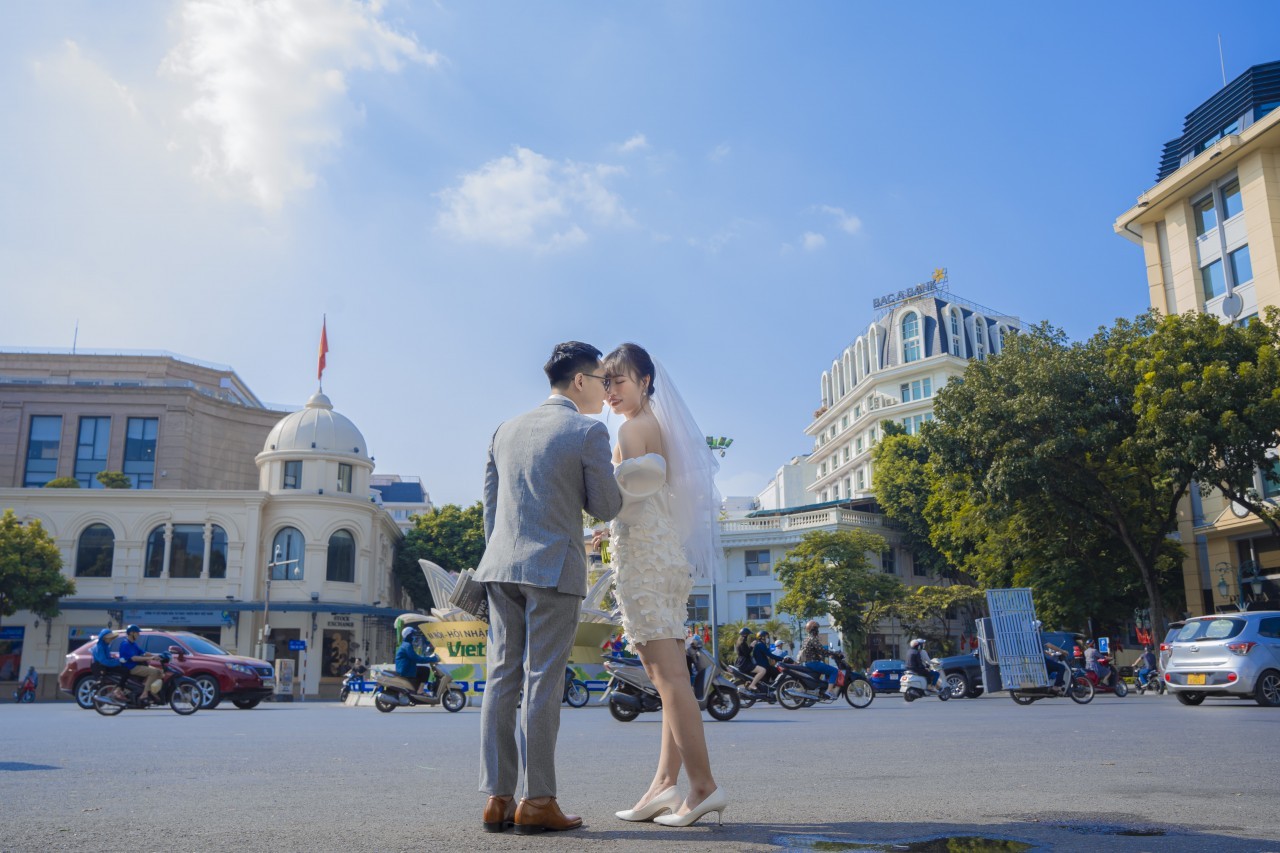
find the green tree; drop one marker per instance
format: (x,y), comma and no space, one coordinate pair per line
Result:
(450,536)
(63,483)
(904,481)
(828,573)
(1047,431)
(1207,400)
(114,480)
(30,569)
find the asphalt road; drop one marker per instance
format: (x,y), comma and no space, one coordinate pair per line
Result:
(322,776)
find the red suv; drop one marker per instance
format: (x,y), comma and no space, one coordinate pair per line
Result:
(220,674)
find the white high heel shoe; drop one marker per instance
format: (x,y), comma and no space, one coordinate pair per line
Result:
(668,801)
(716,802)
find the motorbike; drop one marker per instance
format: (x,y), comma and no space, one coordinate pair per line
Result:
(800,687)
(915,686)
(764,691)
(1152,682)
(355,681)
(26,691)
(576,692)
(118,690)
(1078,688)
(630,692)
(1109,682)
(393,691)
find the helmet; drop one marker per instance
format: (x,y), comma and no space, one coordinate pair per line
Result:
(811,625)
(745,632)
(917,643)
(133,629)
(407,632)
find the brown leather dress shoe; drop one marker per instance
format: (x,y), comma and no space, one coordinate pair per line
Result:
(499,814)
(534,817)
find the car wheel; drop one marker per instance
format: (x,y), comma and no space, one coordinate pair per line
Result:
(1189,697)
(1267,693)
(859,693)
(246,704)
(958,684)
(86,686)
(210,692)
(788,691)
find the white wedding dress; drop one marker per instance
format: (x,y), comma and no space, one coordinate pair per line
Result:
(652,575)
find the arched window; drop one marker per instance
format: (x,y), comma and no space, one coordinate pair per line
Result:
(342,558)
(979,337)
(288,545)
(95,552)
(957,337)
(911,349)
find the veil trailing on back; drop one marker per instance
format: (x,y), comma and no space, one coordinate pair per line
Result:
(691,476)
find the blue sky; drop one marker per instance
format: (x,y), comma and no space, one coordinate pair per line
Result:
(458,186)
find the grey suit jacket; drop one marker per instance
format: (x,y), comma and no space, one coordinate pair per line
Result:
(545,467)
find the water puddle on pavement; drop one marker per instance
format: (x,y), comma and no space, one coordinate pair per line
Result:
(944,844)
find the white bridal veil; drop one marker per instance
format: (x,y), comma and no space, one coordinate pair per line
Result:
(691,476)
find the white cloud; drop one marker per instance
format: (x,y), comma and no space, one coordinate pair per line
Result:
(528,200)
(812,241)
(635,143)
(270,84)
(846,222)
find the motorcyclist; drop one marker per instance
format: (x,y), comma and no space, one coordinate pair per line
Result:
(918,662)
(111,666)
(813,655)
(139,662)
(413,666)
(763,659)
(1145,664)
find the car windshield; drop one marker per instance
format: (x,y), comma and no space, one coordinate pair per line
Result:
(1209,629)
(200,645)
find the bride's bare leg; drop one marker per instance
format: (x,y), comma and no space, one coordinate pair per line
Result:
(664,661)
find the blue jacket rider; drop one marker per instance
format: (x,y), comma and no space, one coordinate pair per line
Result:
(413,666)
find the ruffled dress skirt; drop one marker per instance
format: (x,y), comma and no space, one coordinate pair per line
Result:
(653,578)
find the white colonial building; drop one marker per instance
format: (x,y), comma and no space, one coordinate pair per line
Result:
(309,551)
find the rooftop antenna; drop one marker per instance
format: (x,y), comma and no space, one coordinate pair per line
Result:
(1221,63)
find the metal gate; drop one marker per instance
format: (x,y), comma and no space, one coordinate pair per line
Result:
(1019,648)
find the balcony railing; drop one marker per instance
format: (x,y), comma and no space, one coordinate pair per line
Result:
(806,521)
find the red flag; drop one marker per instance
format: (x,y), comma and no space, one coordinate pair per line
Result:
(324,347)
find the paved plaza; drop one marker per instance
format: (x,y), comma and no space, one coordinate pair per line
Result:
(322,776)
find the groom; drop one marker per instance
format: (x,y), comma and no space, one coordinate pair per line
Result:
(545,467)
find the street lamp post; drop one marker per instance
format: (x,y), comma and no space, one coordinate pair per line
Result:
(716,444)
(1246,572)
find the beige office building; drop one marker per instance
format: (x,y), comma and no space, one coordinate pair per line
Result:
(1210,234)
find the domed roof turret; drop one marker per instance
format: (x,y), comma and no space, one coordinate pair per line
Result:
(316,429)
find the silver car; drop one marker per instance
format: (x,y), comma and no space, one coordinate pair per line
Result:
(1229,654)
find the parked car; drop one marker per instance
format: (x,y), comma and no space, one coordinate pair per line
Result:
(885,675)
(1235,655)
(221,675)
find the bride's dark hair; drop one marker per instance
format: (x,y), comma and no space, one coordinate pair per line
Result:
(632,360)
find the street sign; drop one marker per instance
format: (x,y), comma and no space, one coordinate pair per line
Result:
(1104,645)
(297,645)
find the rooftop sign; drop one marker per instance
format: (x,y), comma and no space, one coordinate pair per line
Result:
(938,282)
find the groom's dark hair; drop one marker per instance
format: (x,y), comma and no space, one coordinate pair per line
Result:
(568,360)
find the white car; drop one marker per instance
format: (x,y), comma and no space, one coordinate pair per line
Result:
(1229,654)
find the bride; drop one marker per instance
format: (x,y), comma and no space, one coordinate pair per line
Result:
(666,532)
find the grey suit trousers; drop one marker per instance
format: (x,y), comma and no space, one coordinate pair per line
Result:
(531,631)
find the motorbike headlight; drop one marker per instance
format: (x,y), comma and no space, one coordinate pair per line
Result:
(241,668)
